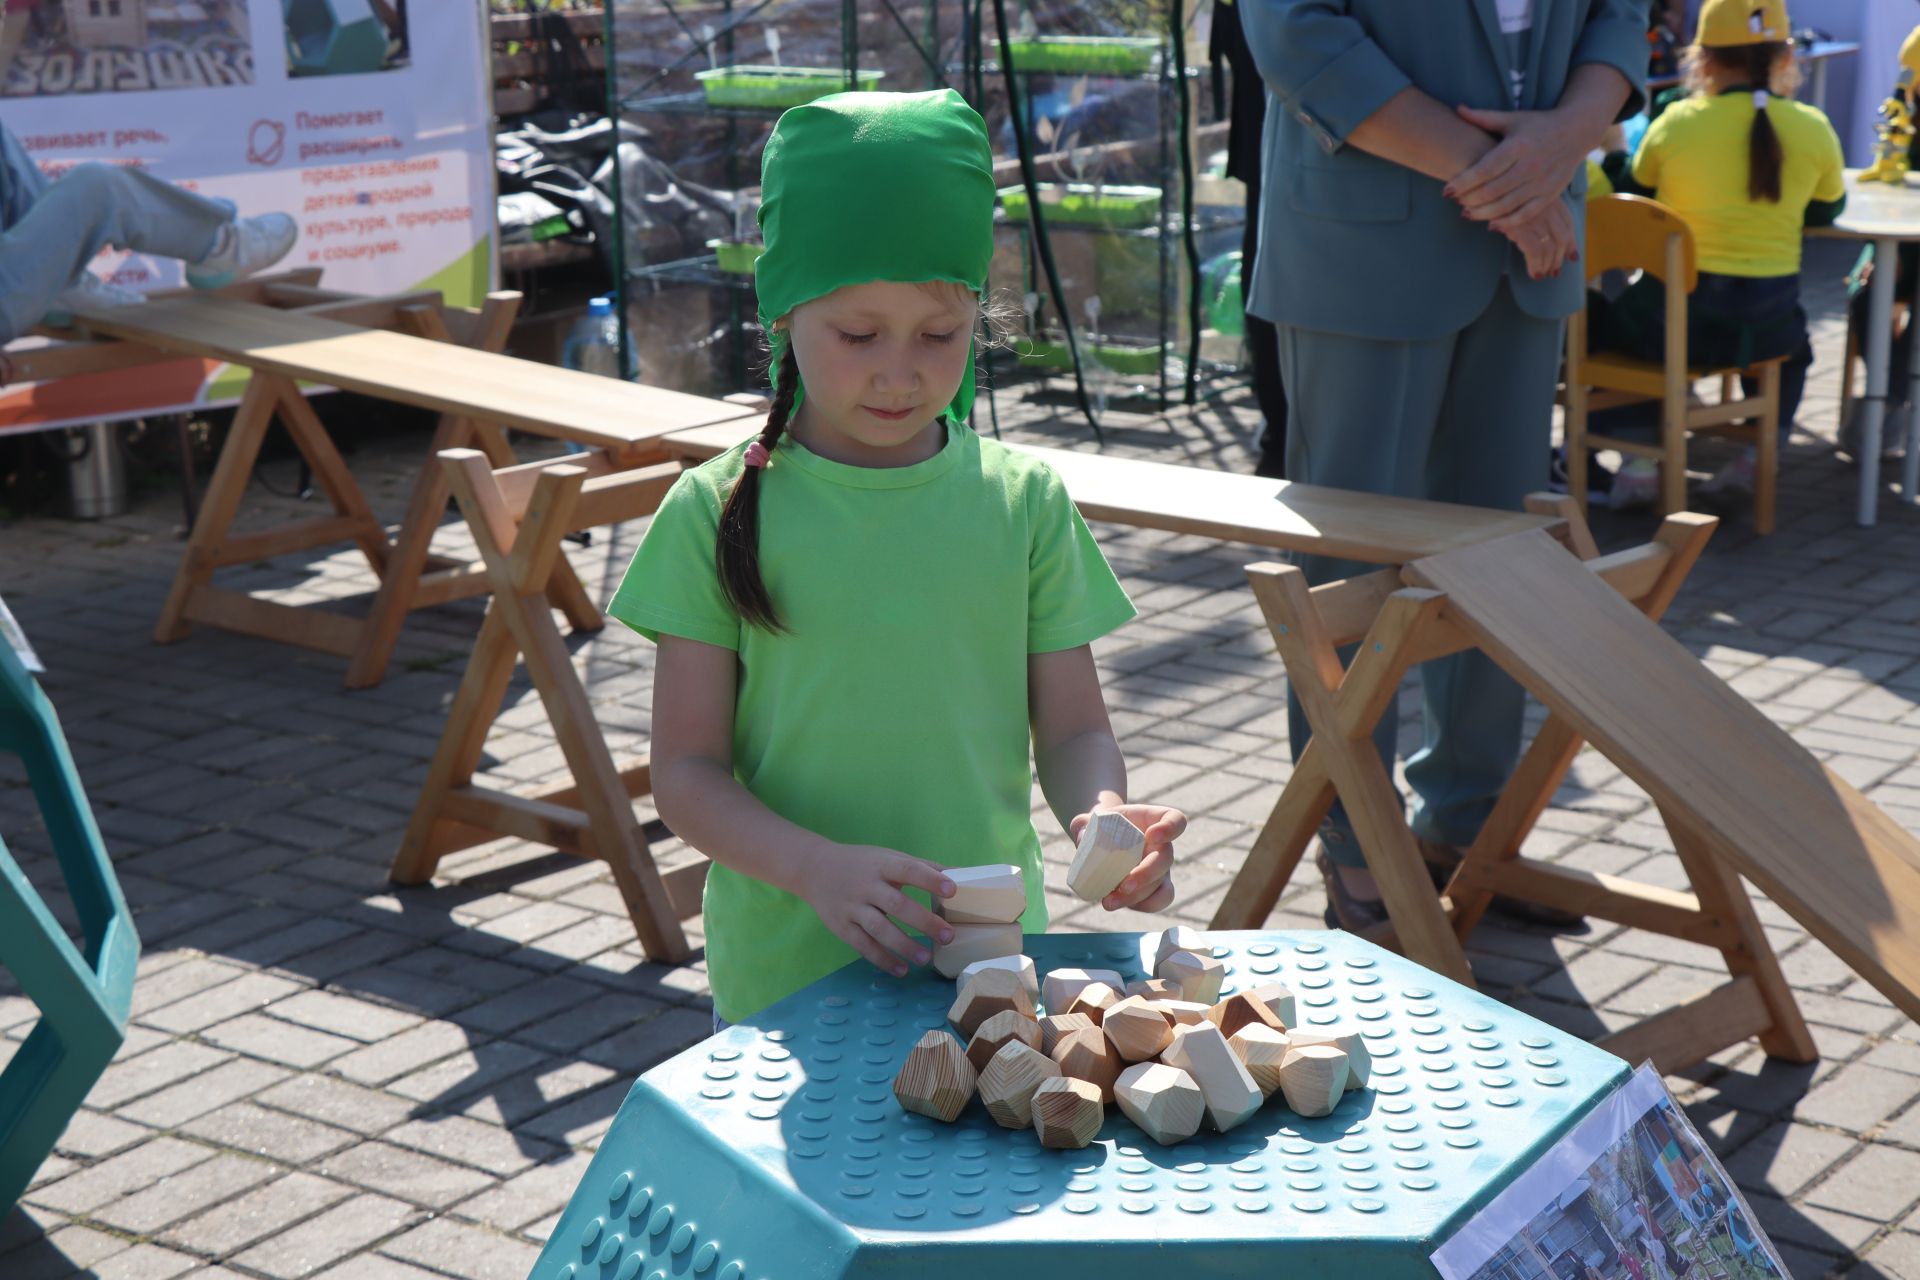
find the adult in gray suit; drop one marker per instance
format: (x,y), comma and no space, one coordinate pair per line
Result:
(1423,187)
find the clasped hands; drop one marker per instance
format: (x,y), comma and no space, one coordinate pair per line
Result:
(1516,187)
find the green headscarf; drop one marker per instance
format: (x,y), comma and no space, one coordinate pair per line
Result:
(858,187)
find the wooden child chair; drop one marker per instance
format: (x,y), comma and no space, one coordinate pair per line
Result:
(1632,233)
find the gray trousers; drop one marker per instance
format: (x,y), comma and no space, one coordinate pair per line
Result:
(50,231)
(1465,418)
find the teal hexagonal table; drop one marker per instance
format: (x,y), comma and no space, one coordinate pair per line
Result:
(776,1151)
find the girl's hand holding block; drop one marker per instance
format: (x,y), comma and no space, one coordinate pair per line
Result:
(1148,886)
(856,892)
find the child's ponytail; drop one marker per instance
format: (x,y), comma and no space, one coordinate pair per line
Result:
(1763,143)
(737,550)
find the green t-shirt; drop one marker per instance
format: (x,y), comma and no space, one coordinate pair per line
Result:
(892,710)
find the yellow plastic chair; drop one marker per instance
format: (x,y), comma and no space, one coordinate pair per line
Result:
(1632,233)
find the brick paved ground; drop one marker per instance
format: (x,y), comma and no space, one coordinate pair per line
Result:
(325,1077)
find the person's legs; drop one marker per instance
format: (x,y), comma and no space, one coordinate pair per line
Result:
(1361,413)
(88,208)
(1493,424)
(1263,353)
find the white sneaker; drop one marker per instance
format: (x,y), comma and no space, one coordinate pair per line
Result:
(244,246)
(88,293)
(1635,484)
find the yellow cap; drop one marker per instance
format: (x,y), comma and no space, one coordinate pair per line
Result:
(1910,52)
(1728,24)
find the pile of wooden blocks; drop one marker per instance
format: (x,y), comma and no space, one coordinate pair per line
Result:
(1169,1050)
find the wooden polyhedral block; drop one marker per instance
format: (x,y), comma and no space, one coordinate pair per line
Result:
(1313,1077)
(1060,1024)
(1178,938)
(994,894)
(1279,1002)
(1007,1085)
(1062,985)
(936,1079)
(988,992)
(1197,975)
(1348,1041)
(1183,1013)
(998,1031)
(1153,989)
(1163,1101)
(1087,1055)
(973,942)
(1203,1053)
(1110,847)
(1233,1012)
(1137,1030)
(1262,1050)
(1067,1113)
(1094,1000)
(1022,965)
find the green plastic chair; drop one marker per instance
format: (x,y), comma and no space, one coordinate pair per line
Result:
(83,997)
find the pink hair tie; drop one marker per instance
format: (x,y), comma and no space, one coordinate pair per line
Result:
(756,455)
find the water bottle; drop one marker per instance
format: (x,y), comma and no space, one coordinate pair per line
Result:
(594,344)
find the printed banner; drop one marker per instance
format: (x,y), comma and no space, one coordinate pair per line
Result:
(370,121)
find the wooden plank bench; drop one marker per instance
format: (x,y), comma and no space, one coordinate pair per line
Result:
(444,361)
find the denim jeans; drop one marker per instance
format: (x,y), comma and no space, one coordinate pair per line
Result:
(50,230)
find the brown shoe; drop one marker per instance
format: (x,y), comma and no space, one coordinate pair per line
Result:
(1344,911)
(1441,859)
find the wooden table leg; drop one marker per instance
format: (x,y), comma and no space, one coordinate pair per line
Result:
(219,506)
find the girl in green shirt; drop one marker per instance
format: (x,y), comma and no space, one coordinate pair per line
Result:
(866,613)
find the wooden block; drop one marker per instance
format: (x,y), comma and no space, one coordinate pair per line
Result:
(1203,1053)
(1154,989)
(1062,985)
(985,994)
(1178,938)
(1163,1101)
(1345,1039)
(1002,1029)
(1094,1000)
(1022,965)
(1262,1050)
(1231,1013)
(1060,1024)
(1183,1013)
(1197,975)
(1067,1113)
(1138,1030)
(995,894)
(936,1079)
(1313,1077)
(1279,1001)
(976,942)
(1007,1084)
(1087,1055)
(1109,848)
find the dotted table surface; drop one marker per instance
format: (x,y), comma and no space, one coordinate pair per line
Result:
(776,1149)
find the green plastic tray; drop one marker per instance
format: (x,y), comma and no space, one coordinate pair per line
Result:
(777,86)
(1087,205)
(1086,55)
(1047,354)
(736,256)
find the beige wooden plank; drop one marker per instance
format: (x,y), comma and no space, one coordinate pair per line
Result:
(310,628)
(1676,1038)
(1756,799)
(1588,893)
(505,814)
(245,548)
(409,370)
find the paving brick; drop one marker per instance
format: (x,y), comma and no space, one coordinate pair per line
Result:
(122,1175)
(272,1135)
(473,1142)
(183,1194)
(1880,1183)
(1857,1098)
(1786,1157)
(338,1102)
(226,1083)
(342,1230)
(259,1213)
(91,1135)
(1896,1257)
(126,1079)
(470,1252)
(407,1052)
(60,1254)
(406,1175)
(247,992)
(529,1197)
(144,1262)
(343,1016)
(260,1036)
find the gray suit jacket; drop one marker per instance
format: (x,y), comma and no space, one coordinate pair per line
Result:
(1351,243)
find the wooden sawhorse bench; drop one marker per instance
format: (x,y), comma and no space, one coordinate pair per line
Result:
(518,516)
(1738,795)
(446,360)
